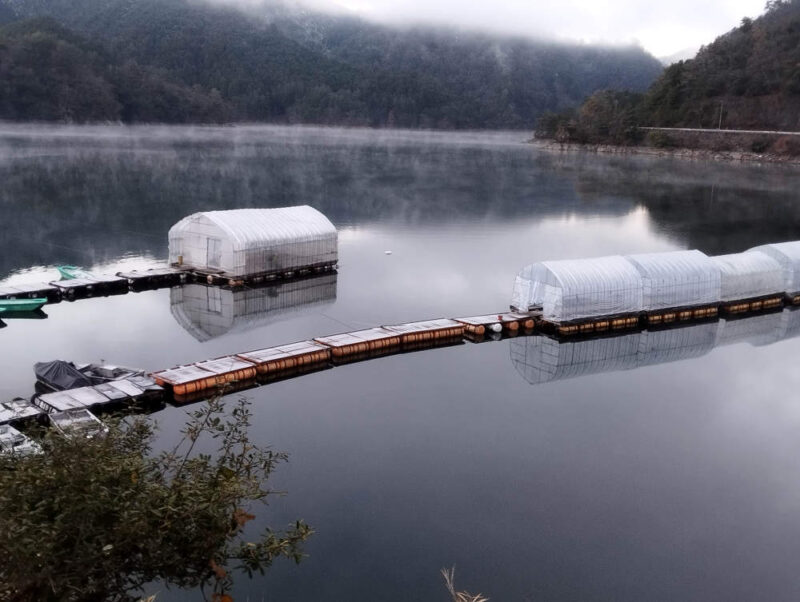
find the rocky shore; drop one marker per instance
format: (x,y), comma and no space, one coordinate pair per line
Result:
(682,153)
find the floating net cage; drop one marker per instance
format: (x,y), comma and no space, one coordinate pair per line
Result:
(247,242)
(748,275)
(580,289)
(677,279)
(787,254)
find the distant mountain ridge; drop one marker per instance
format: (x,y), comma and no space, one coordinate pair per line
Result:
(751,74)
(746,79)
(280,65)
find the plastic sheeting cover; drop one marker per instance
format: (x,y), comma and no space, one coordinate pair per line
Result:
(579,288)
(787,254)
(746,275)
(243,242)
(677,279)
(61,375)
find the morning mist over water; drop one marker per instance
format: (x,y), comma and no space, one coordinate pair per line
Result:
(663,482)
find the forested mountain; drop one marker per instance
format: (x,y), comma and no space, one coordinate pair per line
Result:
(752,73)
(281,65)
(747,79)
(49,73)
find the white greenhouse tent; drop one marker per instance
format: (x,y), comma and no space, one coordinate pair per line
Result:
(579,288)
(748,275)
(247,242)
(208,312)
(787,254)
(677,279)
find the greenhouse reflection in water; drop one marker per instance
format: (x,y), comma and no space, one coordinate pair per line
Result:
(540,359)
(208,312)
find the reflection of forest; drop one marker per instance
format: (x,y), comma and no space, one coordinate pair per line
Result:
(85,199)
(540,359)
(89,199)
(715,207)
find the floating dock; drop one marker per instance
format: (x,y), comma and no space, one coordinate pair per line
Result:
(84,287)
(228,374)
(201,376)
(110,394)
(143,280)
(509,322)
(287,358)
(153,278)
(359,342)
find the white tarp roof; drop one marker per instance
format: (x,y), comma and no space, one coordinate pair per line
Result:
(788,255)
(243,242)
(579,288)
(249,228)
(677,279)
(746,275)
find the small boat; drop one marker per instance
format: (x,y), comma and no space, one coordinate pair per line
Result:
(18,410)
(72,272)
(14,442)
(10,306)
(62,376)
(78,422)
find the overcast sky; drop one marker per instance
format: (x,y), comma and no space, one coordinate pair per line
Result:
(662,28)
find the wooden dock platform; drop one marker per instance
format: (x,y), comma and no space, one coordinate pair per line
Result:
(287,357)
(428,330)
(81,288)
(31,291)
(154,278)
(210,374)
(360,342)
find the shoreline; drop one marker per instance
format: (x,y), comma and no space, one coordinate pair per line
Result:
(681,153)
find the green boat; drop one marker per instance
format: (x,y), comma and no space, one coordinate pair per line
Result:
(9,306)
(71,272)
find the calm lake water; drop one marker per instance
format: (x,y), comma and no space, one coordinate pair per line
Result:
(652,467)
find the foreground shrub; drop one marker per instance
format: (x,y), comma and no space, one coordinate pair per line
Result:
(97,519)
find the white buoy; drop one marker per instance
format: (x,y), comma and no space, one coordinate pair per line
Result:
(387,252)
(495,327)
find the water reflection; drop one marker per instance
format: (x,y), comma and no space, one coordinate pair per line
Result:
(540,359)
(132,184)
(208,312)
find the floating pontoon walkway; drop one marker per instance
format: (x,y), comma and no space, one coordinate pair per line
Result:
(137,281)
(241,371)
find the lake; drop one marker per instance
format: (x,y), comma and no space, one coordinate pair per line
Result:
(652,466)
